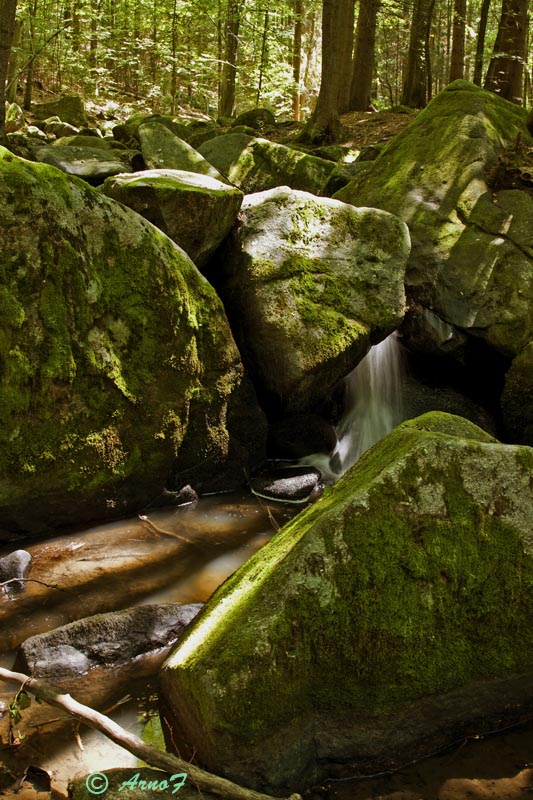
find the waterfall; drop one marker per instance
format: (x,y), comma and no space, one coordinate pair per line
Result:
(373,407)
(373,403)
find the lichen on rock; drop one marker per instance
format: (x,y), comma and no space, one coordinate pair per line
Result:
(118,364)
(391,614)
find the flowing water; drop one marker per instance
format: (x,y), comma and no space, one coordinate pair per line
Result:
(373,407)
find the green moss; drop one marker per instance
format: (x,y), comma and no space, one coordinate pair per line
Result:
(406,579)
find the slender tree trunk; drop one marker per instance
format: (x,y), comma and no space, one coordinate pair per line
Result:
(480,42)
(457,65)
(174,48)
(28,88)
(415,85)
(297,57)
(363,63)
(504,76)
(229,67)
(12,71)
(8,10)
(264,58)
(427,51)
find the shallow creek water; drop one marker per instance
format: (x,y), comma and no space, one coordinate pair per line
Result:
(110,567)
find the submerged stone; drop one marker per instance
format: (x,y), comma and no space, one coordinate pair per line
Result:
(385,620)
(118,364)
(309,283)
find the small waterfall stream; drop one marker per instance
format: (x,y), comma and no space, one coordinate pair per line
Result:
(373,407)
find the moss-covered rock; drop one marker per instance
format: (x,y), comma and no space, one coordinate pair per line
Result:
(118,364)
(162,149)
(196,211)
(308,284)
(93,164)
(255,165)
(68,108)
(471,260)
(387,619)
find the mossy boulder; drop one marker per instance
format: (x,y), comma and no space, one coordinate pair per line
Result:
(118,365)
(69,108)
(471,259)
(93,164)
(162,149)
(388,619)
(256,118)
(309,283)
(196,211)
(255,165)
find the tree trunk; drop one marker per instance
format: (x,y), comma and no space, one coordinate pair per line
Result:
(12,71)
(414,92)
(504,76)
(229,67)
(346,31)
(480,42)
(264,58)
(363,63)
(297,58)
(324,125)
(8,10)
(457,65)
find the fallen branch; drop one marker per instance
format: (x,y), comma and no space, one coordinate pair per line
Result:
(155,758)
(162,532)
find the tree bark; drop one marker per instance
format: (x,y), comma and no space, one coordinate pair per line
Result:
(297,57)
(324,125)
(131,743)
(457,65)
(8,10)
(229,68)
(363,63)
(480,42)
(12,72)
(415,85)
(504,76)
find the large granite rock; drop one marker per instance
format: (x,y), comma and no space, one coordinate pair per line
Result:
(118,364)
(255,165)
(162,149)
(69,108)
(309,283)
(196,211)
(388,619)
(471,260)
(93,164)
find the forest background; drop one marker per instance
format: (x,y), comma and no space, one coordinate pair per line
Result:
(296,57)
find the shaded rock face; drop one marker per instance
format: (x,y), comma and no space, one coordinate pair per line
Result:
(471,259)
(93,164)
(119,645)
(118,362)
(385,620)
(162,149)
(517,398)
(68,108)
(255,165)
(308,284)
(196,211)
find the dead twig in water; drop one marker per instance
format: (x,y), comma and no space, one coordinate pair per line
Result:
(155,758)
(162,532)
